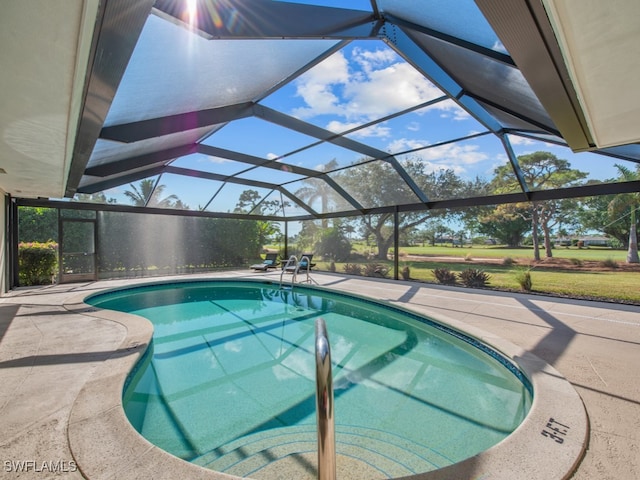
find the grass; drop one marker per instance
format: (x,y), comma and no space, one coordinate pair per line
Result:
(614,285)
(571,279)
(592,253)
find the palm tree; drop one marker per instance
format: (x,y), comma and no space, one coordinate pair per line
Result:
(318,189)
(149,194)
(624,201)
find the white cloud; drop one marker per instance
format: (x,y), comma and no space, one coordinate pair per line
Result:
(375,83)
(404,144)
(455,153)
(217,160)
(460,114)
(515,140)
(379,130)
(534,144)
(368,59)
(316,87)
(338,126)
(388,90)
(456,157)
(448,109)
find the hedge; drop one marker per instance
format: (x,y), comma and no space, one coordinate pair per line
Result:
(37,262)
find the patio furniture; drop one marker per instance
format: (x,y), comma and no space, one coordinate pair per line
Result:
(270,261)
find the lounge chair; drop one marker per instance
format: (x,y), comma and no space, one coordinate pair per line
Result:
(302,264)
(270,261)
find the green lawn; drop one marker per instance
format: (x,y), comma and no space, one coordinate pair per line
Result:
(591,253)
(612,285)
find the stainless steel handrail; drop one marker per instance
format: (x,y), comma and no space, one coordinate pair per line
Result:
(308,264)
(324,405)
(293,259)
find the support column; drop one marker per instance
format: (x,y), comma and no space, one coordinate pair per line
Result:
(396,242)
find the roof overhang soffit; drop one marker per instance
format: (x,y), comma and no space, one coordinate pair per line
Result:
(524,29)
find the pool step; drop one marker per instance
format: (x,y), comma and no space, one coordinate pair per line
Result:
(291,452)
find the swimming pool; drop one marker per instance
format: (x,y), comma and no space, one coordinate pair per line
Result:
(229,380)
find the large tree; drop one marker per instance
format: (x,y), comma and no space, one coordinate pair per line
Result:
(540,171)
(505,223)
(378,183)
(628,203)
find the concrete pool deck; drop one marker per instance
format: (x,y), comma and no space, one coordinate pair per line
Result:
(61,363)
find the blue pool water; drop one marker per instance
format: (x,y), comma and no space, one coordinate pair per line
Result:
(229,380)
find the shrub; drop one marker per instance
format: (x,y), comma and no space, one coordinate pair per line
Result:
(37,262)
(405,272)
(375,270)
(508,261)
(445,276)
(334,245)
(524,280)
(352,269)
(609,263)
(472,277)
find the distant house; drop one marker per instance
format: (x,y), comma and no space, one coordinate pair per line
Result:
(596,241)
(585,241)
(562,242)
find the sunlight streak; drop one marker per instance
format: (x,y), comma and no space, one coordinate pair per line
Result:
(192,13)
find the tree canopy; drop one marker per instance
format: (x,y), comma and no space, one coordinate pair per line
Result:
(540,170)
(378,183)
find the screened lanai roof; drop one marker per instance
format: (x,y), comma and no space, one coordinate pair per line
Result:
(190,104)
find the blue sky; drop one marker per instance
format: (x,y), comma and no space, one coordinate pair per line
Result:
(366,81)
(363,82)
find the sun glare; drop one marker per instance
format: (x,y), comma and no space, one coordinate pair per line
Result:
(192,12)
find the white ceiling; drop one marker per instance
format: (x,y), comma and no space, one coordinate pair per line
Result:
(45,46)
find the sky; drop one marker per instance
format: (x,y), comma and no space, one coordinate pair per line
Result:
(364,81)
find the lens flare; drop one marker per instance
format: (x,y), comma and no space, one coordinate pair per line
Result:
(192,12)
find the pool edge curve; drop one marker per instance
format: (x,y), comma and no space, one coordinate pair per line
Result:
(548,444)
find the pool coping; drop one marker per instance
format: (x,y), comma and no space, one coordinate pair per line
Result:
(105,445)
